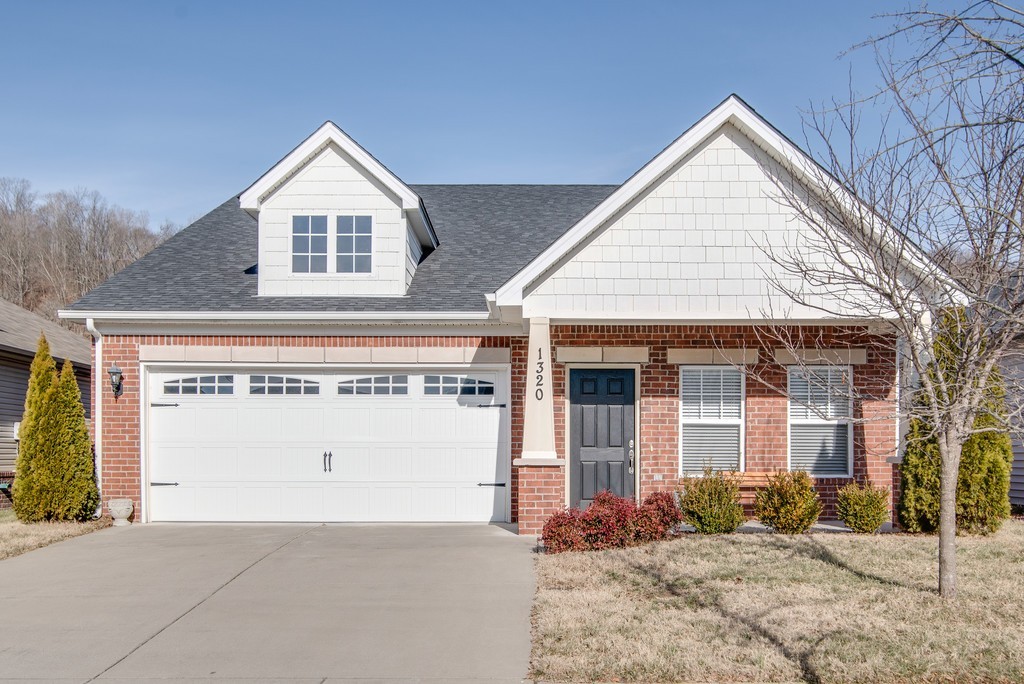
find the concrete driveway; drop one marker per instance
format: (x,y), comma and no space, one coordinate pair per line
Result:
(315,603)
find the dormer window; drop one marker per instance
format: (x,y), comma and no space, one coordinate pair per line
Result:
(309,244)
(355,244)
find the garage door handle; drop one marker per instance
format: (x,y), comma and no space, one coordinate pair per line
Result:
(163,484)
(490,484)
(159,405)
(325,461)
(490,405)
(330,461)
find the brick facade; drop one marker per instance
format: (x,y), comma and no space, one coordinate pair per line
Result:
(766,447)
(537,491)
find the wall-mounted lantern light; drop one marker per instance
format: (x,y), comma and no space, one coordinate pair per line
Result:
(115,380)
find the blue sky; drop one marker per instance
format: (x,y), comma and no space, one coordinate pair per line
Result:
(172,107)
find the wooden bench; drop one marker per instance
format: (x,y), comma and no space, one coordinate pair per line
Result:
(749,483)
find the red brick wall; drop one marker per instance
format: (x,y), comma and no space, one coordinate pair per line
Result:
(766,445)
(121,448)
(538,491)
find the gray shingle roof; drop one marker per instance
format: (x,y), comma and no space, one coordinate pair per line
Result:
(487,233)
(20,330)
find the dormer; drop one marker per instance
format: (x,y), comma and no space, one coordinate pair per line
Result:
(334,221)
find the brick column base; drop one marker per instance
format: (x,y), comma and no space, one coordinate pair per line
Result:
(541,493)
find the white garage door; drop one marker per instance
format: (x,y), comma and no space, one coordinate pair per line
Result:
(292,446)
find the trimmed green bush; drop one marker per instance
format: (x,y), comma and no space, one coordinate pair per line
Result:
(54,478)
(712,503)
(863,508)
(31,438)
(788,504)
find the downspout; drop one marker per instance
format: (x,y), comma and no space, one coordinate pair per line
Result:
(97,409)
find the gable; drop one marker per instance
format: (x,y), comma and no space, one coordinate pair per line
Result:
(332,185)
(696,245)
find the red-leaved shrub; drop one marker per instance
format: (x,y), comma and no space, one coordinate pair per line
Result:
(611,522)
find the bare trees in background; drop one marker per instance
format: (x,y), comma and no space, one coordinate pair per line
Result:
(55,248)
(924,222)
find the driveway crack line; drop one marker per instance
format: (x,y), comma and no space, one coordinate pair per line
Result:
(213,593)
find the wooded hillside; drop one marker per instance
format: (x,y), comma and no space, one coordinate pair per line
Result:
(56,247)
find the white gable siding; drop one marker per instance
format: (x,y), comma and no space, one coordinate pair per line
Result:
(332,184)
(693,247)
(413,254)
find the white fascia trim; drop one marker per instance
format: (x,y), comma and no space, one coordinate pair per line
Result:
(734,111)
(329,133)
(280,317)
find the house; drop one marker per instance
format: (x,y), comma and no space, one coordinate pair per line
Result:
(19,337)
(336,345)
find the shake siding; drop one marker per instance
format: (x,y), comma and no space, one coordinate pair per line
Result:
(695,244)
(413,254)
(331,184)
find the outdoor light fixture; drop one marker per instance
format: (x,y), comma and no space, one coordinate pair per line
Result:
(115,380)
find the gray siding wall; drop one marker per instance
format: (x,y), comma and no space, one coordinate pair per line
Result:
(1017,476)
(13,385)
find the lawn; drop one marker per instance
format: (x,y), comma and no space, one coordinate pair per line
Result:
(772,608)
(17,537)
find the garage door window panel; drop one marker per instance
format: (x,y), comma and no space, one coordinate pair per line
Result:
(281,385)
(378,385)
(451,385)
(200,385)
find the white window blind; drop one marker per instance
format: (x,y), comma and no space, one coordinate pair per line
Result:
(820,408)
(711,418)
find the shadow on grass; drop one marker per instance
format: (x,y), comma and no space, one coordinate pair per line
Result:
(810,548)
(700,595)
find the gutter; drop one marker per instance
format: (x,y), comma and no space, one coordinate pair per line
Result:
(279,316)
(97,414)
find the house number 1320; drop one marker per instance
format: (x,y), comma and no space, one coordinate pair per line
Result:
(539,393)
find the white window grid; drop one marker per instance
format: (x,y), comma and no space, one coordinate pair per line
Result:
(282,385)
(378,385)
(452,385)
(354,244)
(309,243)
(200,385)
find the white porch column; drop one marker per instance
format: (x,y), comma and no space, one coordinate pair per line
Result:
(539,427)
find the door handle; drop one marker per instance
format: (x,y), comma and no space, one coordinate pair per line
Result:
(330,461)
(325,461)
(630,461)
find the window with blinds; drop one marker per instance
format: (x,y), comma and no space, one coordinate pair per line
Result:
(820,409)
(710,418)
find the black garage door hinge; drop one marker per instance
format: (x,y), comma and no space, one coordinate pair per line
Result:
(157,404)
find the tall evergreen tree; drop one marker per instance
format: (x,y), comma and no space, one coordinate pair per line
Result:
(983,482)
(66,475)
(32,442)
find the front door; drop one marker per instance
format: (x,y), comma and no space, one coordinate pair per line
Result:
(602,436)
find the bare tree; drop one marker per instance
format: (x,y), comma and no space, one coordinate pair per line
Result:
(55,250)
(924,223)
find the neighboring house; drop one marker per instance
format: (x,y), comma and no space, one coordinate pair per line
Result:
(19,337)
(336,345)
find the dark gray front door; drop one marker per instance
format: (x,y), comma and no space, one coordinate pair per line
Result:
(601,440)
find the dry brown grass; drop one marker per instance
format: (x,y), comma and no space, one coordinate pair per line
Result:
(769,608)
(17,537)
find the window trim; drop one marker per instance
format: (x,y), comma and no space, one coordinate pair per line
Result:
(353,254)
(307,381)
(231,384)
(464,375)
(713,421)
(308,255)
(332,245)
(815,420)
